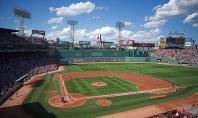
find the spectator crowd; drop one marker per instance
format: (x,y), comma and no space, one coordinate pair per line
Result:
(175,114)
(42,69)
(14,65)
(12,40)
(193,110)
(179,55)
(22,56)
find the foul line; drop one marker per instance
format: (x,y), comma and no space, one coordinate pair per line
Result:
(132,93)
(62,86)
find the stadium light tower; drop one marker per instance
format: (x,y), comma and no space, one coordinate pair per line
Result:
(120,25)
(21,15)
(72,23)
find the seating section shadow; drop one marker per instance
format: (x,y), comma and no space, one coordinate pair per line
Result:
(37,83)
(30,110)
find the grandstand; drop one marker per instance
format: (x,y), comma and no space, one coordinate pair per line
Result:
(185,56)
(11,41)
(22,57)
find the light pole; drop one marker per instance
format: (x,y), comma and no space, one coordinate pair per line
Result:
(120,25)
(72,23)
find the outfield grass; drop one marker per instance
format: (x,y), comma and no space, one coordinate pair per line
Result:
(114,85)
(36,103)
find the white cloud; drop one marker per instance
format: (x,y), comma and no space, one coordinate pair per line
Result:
(58,34)
(55,20)
(155,24)
(147,36)
(108,34)
(172,8)
(52,9)
(156,7)
(28,32)
(104,30)
(94,18)
(74,9)
(54,27)
(192,19)
(128,23)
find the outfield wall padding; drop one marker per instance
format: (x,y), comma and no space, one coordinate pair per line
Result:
(67,54)
(141,59)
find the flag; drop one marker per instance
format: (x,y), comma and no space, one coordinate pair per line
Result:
(98,37)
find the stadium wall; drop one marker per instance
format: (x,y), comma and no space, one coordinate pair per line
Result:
(85,56)
(66,54)
(195,65)
(141,59)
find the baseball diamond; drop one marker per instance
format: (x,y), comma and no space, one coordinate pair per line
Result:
(134,87)
(98,89)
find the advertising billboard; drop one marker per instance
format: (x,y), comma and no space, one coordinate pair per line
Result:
(130,42)
(126,42)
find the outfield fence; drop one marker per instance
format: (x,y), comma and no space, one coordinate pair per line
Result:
(66,56)
(86,56)
(87,60)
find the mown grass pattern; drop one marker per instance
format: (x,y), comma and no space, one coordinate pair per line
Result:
(113,85)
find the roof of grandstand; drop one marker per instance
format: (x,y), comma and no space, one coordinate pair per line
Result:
(8,30)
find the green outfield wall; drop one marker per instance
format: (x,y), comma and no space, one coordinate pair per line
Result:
(78,56)
(195,65)
(141,59)
(66,54)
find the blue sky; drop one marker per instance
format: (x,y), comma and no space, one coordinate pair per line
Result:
(146,20)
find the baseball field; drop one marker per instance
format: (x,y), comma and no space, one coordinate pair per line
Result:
(96,90)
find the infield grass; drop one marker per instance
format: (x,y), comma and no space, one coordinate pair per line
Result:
(113,85)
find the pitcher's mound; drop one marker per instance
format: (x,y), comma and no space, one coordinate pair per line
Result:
(103,102)
(76,100)
(98,84)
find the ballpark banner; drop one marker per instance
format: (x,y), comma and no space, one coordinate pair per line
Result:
(39,32)
(123,42)
(98,37)
(145,45)
(130,42)
(126,42)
